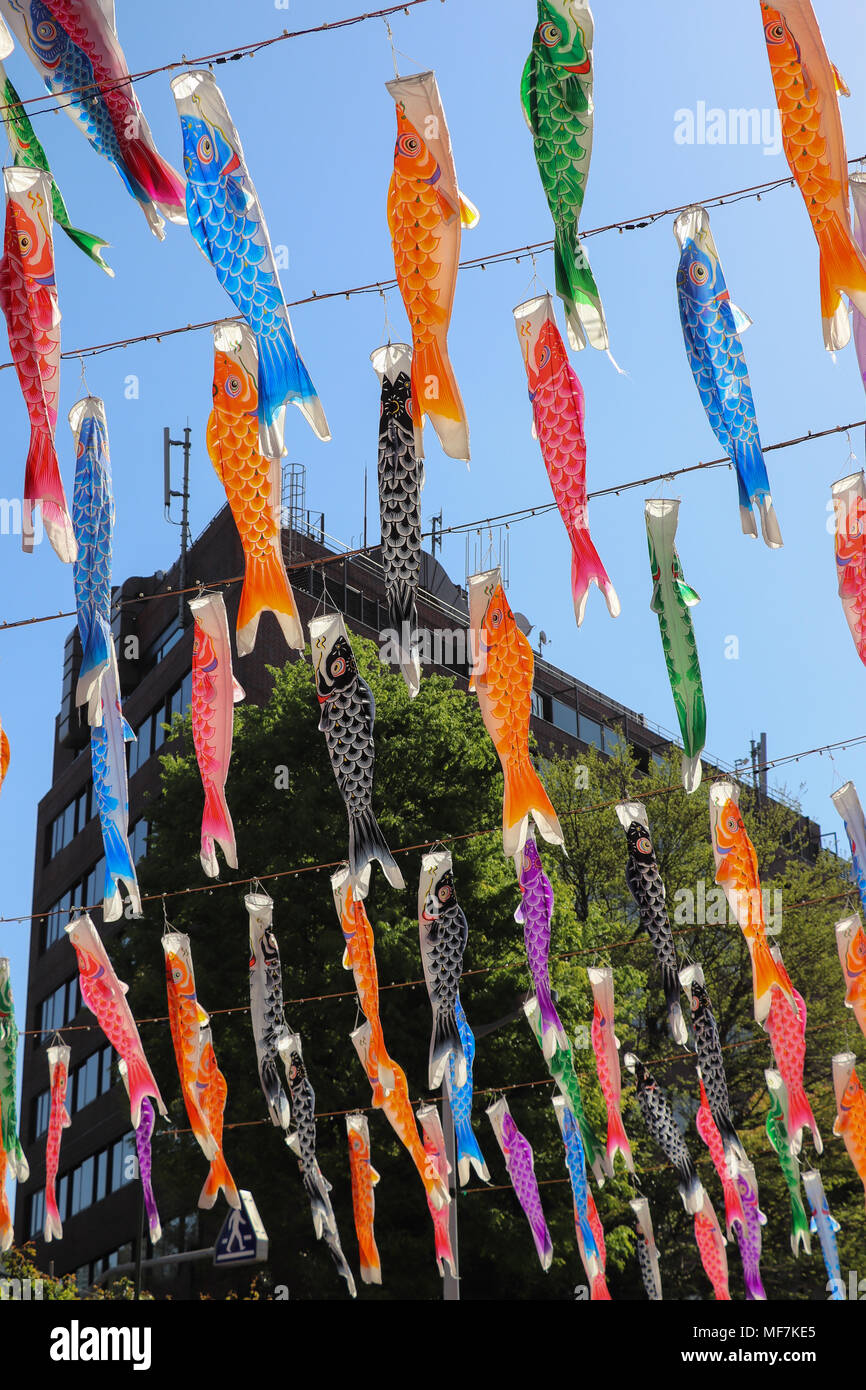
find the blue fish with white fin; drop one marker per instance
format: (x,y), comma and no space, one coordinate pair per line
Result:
(711,329)
(460,1097)
(93,523)
(575,1162)
(826,1227)
(226,220)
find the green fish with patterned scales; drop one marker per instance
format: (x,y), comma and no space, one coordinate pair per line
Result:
(18,1165)
(561,1068)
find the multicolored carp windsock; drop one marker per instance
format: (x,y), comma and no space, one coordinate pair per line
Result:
(557,423)
(709,1131)
(502,679)
(850,1120)
(73,44)
(849,509)
(143,1136)
(663,1128)
(780,1140)
(807,84)
(359,956)
(535,914)
(444,933)
(671,600)
(847,803)
(434,1147)
(271,1032)
(851,945)
(228,224)
(93,523)
(647,1255)
(28,298)
(215,692)
(7,1229)
(348,714)
(5,755)
(858,197)
(520,1164)
(111,793)
(364,1180)
(556,94)
(826,1227)
(575,1162)
(737,873)
(426,211)
(58,1120)
(398,1111)
(460,1097)
(647,887)
(711,1245)
(105,997)
(561,1068)
(711,1068)
(27,152)
(401,478)
(749,1233)
(302,1142)
(605,1045)
(786,1025)
(18,1167)
(712,325)
(253,485)
(598,1290)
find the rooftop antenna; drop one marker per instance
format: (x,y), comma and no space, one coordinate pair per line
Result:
(435,534)
(167,445)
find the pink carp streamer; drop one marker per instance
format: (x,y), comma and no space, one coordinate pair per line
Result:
(58,1120)
(214,693)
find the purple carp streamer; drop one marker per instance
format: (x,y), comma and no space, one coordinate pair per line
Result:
(519,1162)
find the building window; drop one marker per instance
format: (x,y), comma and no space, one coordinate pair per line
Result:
(167,639)
(541,706)
(564,717)
(612,740)
(59,1008)
(589,731)
(92,1078)
(42,1112)
(36,1223)
(138,840)
(82,1186)
(67,824)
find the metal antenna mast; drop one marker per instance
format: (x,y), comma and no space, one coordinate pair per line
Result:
(167,445)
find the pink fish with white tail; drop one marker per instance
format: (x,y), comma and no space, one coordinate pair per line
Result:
(58,1120)
(558,425)
(434,1147)
(214,693)
(605,1045)
(787,1029)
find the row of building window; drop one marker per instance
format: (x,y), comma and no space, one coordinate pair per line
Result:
(150,734)
(88,891)
(59,1008)
(183,1233)
(88,1183)
(87,1081)
(65,826)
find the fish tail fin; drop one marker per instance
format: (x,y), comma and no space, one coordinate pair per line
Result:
(366,843)
(468,1151)
(587,569)
(53,1229)
(799,1226)
(119,869)
(266,588)
(691,1189)
(734,1209)
(216,825)
(525,795)
(369,1263)
(576,287)
(403,617)
(435,393)
(332,1240)
(735,1154)
(766,973)
(141,1084)
(219,1179)
(317,1187)
(754,490)
(283,377)
(598,1290)
(43,487)
(842,270)
(617,1139)
(159,181)
(446,1042)
(553,1034)
(671,987)
(95,659)
(800,1117)
(91,246)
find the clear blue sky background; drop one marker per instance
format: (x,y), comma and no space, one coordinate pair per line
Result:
(318,129)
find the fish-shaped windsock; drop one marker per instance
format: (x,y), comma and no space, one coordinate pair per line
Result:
(143,1136)
(520,1164)
(849,510)
(556,94)
(847,803)
(557,415)
(647,1254)
(807,86)
(711,1245)
(58,1120)
(780,1139)
(671,600)
(858,198)
(444,933)
(364,1179)
(605,1045)
(707,1128)
(598,1290)
(575,1162)
(7,1229)
(93,523)
(786,1025)
(214,694)
(711,1068)
(426,212)
(561,1068)
(27,151)
(228,224)
(108,741)
(347,717)
(712,325)
(460,1097)
(302,1142)
(105,997)
(434,1147)
(663,1128)
(851,945)
(850,1111)
(647,887)
(253,484)
(271,1033)
(212,1087)
(18,1166)
(749,1233)
(535,914)
(502,679)
(400,479)
(737,873)
(826,1227)
(5,754)
(360,957)
(73,44)
(28,298)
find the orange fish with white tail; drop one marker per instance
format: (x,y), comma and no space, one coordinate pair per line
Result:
(364,1179)
(502,672)
(851,1111)
(851,945)
(360,957)
(807,87)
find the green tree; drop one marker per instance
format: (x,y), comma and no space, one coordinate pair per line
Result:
(34,1285)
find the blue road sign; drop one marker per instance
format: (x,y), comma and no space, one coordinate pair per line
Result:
(243,1239)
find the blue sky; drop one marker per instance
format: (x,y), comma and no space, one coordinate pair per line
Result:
(318,130)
